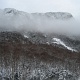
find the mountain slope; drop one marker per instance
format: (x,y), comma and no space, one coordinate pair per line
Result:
(28,52)
(22,59)
(61,41)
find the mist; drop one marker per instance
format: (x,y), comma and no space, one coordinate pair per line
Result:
(24,22)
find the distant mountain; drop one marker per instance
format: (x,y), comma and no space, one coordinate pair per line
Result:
(51,15)
(13,19)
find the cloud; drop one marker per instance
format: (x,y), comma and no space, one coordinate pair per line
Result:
(71,6)
(24,22)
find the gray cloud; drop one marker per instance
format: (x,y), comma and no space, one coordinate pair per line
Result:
(71,6)
(13,20)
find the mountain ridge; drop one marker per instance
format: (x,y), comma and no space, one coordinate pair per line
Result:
(54,15)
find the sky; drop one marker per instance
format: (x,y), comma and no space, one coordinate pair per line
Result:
(31,6)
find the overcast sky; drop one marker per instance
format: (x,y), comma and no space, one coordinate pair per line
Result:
(71,6)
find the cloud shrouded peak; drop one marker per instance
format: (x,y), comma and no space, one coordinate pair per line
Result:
(55,15)
(10,10)
(59,22)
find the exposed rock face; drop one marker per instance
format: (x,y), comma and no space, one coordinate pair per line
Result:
(22,59)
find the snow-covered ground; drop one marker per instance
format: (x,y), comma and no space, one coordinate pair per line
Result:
(58,41)
(26,36)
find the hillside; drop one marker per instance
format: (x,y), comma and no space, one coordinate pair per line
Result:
(20,59)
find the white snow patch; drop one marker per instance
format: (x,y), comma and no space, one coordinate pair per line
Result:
(45,36)
(47,43)
(58,41)
(26,36)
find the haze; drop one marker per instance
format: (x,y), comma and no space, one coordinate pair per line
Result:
(42,6)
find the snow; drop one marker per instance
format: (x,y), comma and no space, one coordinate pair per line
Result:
(53,15)
(59,15)
(10,10)
(33,71)
(62,74)
(26,36)
(58,41)
(47,43)
(45,36)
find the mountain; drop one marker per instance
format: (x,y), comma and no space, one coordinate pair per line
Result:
(35,55)
(32,57)
(52,15)
(61,41)
(19,20)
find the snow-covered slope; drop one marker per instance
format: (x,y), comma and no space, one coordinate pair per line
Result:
(59,42)
(20,59)
(40,38)
(32,55)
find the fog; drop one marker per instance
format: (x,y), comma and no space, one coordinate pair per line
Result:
(24,22)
